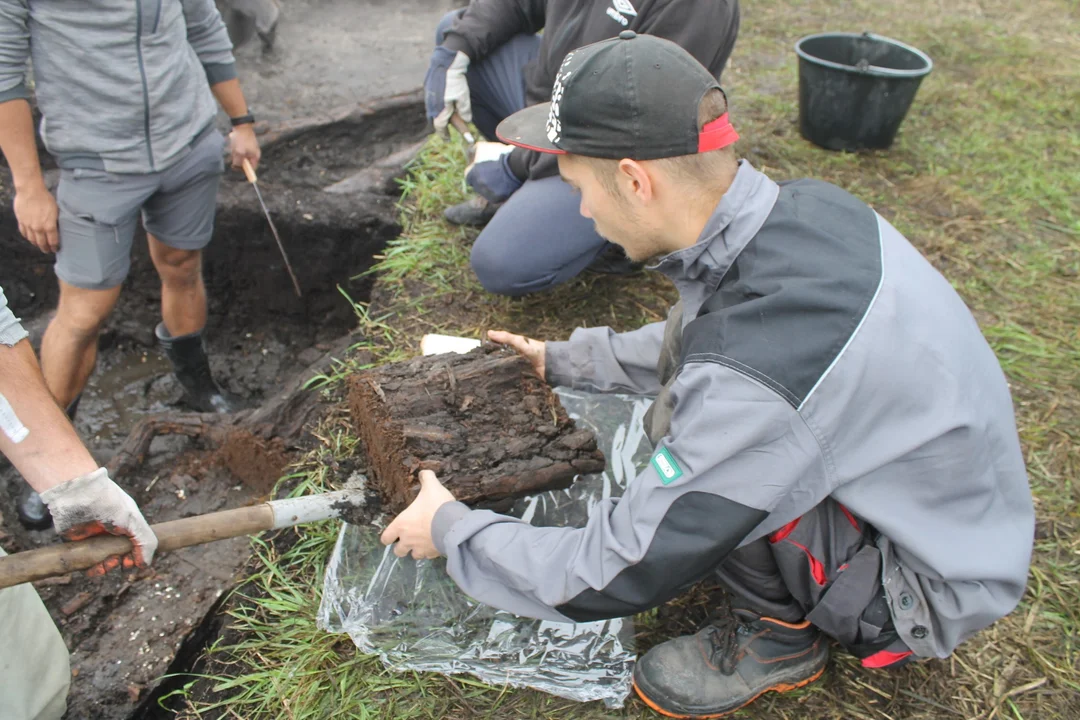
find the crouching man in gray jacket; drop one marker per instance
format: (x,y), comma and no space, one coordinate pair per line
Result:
(127,93)
(833,436)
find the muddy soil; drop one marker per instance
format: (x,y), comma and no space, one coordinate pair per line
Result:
(331,53)
(124,631)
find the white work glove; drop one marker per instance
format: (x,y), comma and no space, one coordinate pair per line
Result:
(92,504)
(455,89)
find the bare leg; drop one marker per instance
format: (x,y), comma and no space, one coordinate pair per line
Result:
(69,347)
(183,294)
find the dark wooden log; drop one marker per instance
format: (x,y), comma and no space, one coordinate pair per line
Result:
(483,422)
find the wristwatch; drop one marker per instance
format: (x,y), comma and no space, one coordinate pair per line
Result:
(248,119)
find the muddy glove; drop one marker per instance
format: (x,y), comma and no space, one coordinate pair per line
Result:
(92,504)
(493,179)
(446,90)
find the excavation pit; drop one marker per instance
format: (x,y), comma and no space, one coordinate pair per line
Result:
(126,630)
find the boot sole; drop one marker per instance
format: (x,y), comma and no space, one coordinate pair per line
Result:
(778,688)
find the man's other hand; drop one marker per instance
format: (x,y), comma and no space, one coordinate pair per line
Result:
(36,213)
(411,530)
(532,350)
(244,145)
(92,504)
(493,179)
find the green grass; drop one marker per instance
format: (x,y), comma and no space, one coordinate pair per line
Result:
(983,179)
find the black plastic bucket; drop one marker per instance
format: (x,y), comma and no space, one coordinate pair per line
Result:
(854,90)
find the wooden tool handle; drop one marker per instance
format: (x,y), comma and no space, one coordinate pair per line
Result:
(250,172)
(63,558)
(462,127)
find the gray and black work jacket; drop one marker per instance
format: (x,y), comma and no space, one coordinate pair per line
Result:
(704,28)
(122,85)
(817,353)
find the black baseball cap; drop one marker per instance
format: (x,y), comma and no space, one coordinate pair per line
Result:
(633,96)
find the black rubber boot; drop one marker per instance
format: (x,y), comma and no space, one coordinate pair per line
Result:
(728,665)
(474,212)
(34,514)
(267,38)
(73,408)
(188,357)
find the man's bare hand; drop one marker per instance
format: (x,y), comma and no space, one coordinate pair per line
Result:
(36,213)
(244,145)
(532,350)
(411,530)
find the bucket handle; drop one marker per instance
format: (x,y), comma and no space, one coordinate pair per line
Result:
(864,66)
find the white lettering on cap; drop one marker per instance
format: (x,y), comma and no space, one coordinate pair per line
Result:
(554,125)
(614,15)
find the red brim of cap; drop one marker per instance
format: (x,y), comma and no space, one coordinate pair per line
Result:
(528,129)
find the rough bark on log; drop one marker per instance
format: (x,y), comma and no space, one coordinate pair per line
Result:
(483,422)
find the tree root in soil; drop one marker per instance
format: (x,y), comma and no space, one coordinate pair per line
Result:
(256,445)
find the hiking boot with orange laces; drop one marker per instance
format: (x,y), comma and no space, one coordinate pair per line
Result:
(729,664)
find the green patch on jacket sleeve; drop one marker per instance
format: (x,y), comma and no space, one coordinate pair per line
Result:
(666,465)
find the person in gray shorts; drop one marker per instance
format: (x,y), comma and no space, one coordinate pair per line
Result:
(128,113)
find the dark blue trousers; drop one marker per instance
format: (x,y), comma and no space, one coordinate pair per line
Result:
(537,239)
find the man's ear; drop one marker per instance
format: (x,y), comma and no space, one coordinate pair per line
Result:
(563,162)
(636,179)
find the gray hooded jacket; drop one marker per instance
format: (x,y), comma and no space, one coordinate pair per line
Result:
(122,85)
(820,355)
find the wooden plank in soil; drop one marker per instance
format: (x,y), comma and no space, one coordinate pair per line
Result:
(483,422)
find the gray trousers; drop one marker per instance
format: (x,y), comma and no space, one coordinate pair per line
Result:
(243,18)
(537,239)
(823,567)
(34,670)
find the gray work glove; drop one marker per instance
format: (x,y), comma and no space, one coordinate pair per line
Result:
(92,504)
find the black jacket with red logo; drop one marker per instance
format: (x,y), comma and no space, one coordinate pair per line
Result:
(705,28)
